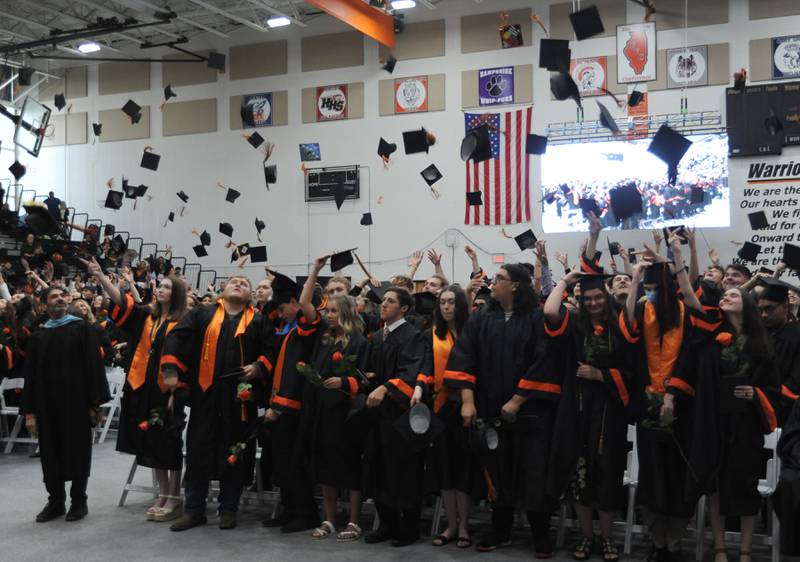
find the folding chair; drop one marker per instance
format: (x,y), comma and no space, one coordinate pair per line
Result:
(631,481)
(116,384)
(5,410)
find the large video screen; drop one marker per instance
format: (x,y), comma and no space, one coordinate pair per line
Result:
(596,170)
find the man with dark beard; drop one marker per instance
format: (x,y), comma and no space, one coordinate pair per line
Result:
(65,383)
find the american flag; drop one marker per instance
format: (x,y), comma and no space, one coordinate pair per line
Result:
(504,179)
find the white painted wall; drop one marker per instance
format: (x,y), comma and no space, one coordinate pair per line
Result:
(409,218)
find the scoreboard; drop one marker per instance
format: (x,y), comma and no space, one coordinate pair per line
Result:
(748,110)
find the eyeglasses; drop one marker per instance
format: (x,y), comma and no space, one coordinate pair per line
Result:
(498,278)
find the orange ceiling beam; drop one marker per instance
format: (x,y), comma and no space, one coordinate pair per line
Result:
(358,14)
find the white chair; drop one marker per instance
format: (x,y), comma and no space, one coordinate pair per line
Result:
(116,384)
(766,487)
(6,410)
(631,481)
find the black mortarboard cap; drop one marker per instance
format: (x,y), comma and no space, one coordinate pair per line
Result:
(366,219)
(775,290)
(791,256)
(526,240)
(260,225)
(431,174)
(109,230)
(679,230)
(758,220)
(477,145)
(589,205)
(564,87)
(168,93)
(232,195)
(607,120)
(216,61)
(339,195)
(389,65)
(258,254)
(171,217)
(39,221)
(424,302)
(97,129)
(243,249)
(474,198)
(114,199)
(697,196)
(340,260)
(25,74)
(406,426)
(200,251)
(586,23)
(255,139)
(270,174)
(132,110)
(129,190)
(118,244)
(626,201)
(182,196)
(655,272)
(205,238)
(17,170)
(635,98)
(536,144)
(385,149)
(773,123)
(150,160)
(749,251)
(60,101)
(565,189)
(613,247)
(226,229)
(376,294)
(550,197)
(554,54)
(416,141)
(282,286)
(669,146)
(141,189)
(591,281)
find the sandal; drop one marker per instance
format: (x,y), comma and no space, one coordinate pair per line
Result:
(323,531)
(350,533)
(464,542)
(441,540)
(153,509)
(584,549)
(163,514)
(610,552)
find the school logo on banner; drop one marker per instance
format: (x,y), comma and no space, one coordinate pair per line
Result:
(636,52)
(590,75)
(411,94)
(687,67)
(786,57)
(257,110)
(496,86)
(332,102)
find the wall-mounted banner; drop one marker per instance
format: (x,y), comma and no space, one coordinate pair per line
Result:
(786,57)
(496,86)
(257,110)
(411,94)
(636,52)
(590,75)
(687,67)
(332,102)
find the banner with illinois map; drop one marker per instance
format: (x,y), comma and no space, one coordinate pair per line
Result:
(636,52)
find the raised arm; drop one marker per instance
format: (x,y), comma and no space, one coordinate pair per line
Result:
(413,264)
(473,258)
(309,312)
(552,306)
(694,264)
(691,300)
(111,290)
(436,260)
(636,278)
(595,226)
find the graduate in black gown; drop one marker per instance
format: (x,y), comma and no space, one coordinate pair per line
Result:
(734,376)
(489,367)
(593,364)
(65,383)
(151,418)
(449,465)
(220,351)
(394,471)
(340,350)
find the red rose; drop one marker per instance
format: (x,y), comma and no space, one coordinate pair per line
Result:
(598,330)
(245,395)
(724,338)
(232,459)
(144,426)
(337,356)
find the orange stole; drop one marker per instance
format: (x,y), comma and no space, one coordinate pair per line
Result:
(441,352)
(661,356)
(138,371)
(208,353)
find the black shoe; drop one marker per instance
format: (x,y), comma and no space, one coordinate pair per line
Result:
(676,556)
(77,511)
(51,511)
(492,541)
(301,524)
(278,521)
(403,541)
(189,520)
(543,545)
(657,554)
(227,520)
(380,535)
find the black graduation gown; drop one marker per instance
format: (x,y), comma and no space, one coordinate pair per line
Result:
(786,499)
(592,418)
(333,454)
(492,357)
(216,421)
(161,445)
(64,379)
(786,343)
(393,470)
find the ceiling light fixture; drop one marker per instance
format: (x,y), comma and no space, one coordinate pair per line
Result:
(90,47)
(403,4)
(278,21)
